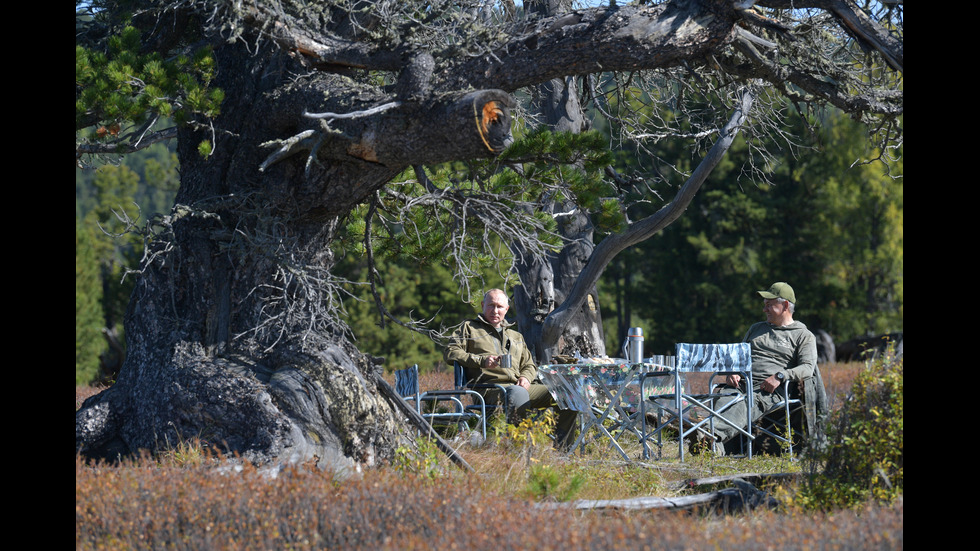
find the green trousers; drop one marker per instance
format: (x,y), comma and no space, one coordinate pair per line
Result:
(762,402)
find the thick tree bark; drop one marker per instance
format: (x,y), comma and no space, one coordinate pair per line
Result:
(546,280)
(232,339)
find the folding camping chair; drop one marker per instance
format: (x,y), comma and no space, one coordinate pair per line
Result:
(407,386)
(777,421)
(719,359)
(459,376)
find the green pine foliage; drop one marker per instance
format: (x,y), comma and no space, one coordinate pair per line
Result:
(571,163)
(125,91)
(89,318)
(122,84)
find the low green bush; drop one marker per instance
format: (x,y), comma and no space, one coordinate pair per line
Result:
(864,457)
(548,482)
(425,459)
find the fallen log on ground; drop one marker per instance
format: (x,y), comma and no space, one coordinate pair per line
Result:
(743,497)
(420,423)
(755,477)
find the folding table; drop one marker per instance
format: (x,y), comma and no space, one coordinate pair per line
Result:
(601,391)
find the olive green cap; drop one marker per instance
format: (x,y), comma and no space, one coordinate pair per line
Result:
(780,290)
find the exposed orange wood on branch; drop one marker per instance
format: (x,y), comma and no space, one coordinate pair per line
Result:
(491,115)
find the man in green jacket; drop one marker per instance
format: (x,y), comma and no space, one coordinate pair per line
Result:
(784,351)
(479,346)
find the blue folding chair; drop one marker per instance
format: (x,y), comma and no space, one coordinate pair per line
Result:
(459,414)
(461,383)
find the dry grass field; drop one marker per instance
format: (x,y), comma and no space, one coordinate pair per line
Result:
(187,500)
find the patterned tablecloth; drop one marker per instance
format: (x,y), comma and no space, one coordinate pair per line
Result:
(585,385)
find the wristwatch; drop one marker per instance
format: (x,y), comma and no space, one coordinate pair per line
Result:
(781,376)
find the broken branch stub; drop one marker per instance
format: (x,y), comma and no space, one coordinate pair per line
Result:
(476,124)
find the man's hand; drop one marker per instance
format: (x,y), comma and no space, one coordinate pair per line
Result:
(733,380)
(523,382)
(770,384)
(491,362)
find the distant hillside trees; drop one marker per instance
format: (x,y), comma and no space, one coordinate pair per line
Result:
(112,204)
(830,225)
(89,318)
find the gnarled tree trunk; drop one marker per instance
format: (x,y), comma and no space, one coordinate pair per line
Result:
(234,338)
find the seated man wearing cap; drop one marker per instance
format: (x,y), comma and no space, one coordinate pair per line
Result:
(784,351)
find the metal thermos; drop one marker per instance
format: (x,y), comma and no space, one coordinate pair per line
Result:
(634,345)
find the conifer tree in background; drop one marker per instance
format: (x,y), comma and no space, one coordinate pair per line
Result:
(859,218)
(821,219)
(89,320)
(116,249)
(112,204)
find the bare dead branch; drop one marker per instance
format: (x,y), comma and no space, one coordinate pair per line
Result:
(643,229)
(124,146)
